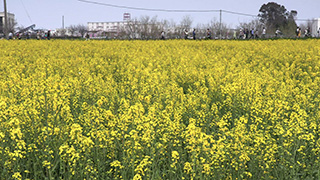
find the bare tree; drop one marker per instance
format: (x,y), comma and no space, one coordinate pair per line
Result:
(131,30)
(144,28)
(201,31)
(72,29)
(174,31)
(21,27)
(144,22)
(255,24)
(155,28)
(11,26)
(186,22)
(123,31)
(164,25)
(61,32)
(82,29)
(214,26)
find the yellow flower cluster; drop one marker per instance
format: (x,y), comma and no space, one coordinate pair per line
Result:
(160,109)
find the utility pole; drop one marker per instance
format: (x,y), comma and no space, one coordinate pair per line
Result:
(62,22)
(220,25)
(5,28)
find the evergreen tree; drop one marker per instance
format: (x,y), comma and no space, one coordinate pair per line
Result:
(276,16)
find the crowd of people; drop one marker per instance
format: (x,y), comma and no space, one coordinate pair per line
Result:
(307,32)
(242,33)
(246,34)
(194,32)
(28,35)
(249,34)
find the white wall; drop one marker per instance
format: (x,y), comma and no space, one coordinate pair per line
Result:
(315,27)
(105,26)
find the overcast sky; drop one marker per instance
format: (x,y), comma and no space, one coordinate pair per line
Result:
(48,13)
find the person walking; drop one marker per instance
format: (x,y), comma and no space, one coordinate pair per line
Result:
(234,34)
(38,35)
(10,35)
(256,34)
(194,34)
(247,33)
(19,36)
(308,32)
(162,35)
(241,34)
(186,33)
(252,34)
(264,32)
(87,36)
(278,33)
(27,34)
(297,32)
(48,35)
(208,34)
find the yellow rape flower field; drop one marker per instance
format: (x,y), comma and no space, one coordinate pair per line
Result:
(160,109)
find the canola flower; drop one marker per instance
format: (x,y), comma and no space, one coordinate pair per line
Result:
(160,109)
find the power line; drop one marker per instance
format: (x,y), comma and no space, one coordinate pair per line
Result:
(243,14)
(148,9)
(26,11)
(237,13)
(173,10)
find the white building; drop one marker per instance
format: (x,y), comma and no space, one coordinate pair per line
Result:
(11,21)
(315,27)
(110,29)
(113,27)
